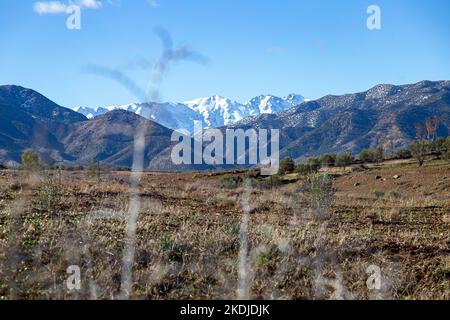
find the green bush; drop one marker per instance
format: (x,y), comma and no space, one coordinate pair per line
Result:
(378,154)
(404,153)
(287,165)
(372,155)
(263,259)
(328,160)
(304,169)
(49,195)
(344,159)
(167,243)
(267,183)
(386,194)
(366,155)
(446,149)
(230,182)
(314,164)
(446,155)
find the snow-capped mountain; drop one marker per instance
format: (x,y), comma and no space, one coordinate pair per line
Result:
(170,115)
(212,112)
(91,112)
(217,111)
(295,99)
(268,104)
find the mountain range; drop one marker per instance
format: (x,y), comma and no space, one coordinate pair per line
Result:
(212,112)
(350,122)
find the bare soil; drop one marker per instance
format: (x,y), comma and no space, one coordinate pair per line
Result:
(393,216)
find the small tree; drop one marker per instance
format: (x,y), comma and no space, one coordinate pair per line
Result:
(311,166)
(438,146)
(420,150)
(372,155)
(314,164)
(344,159)
(404,153)
(328,160)
(379,154)
(389,147)
(446,149)
(303,169)
(30,161)
(366,155)
(287,165)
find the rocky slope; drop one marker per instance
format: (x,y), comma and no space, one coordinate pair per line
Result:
(349,122)
(352,122)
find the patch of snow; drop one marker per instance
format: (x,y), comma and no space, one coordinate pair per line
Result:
(212,112)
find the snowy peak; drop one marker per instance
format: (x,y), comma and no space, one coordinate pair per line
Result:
(218,111)
(212,112)
(211,104)
(295,99)
(91,113)
(269,104)
(214,101)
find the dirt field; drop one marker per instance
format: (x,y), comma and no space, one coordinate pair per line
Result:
(191,234)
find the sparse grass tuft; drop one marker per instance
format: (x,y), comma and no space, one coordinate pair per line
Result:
(387,194)
(49,195)
(230,182)
(167,243)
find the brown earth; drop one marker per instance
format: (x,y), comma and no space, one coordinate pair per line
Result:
(394,217)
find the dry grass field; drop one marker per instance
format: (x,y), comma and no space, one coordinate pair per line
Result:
(304,242)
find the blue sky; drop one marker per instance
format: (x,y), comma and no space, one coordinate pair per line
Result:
(254,47)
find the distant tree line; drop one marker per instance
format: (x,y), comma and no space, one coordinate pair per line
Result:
(31,162)
(314,164)
(427,144)
(420,150)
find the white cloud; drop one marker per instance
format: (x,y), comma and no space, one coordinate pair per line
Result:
(50,7)
(55,7)
(153,3)
(90,4)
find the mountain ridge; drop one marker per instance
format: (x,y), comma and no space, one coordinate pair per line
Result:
(360,120)
(213,112)
(348,122)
